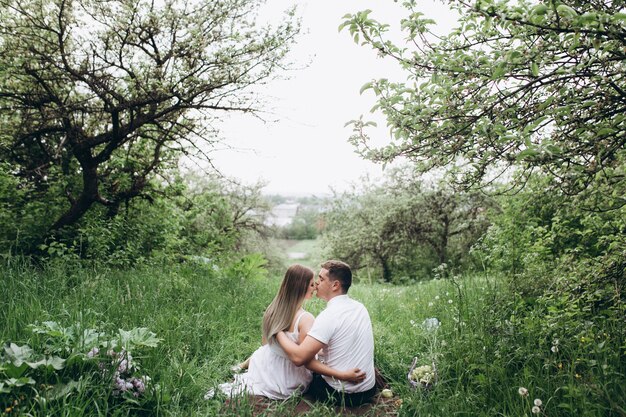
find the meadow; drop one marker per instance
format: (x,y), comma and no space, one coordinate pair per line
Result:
(201,319)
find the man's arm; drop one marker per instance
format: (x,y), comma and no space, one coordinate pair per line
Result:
(299,354)
(351,375)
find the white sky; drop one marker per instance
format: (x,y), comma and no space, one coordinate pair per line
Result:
(305,151)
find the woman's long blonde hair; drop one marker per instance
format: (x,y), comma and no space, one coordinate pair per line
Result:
(281,311)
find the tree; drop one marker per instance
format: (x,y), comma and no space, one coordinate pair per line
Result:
(96,98)
(532,85)
(221,215)
(353,231)
(404,228)
(437,217)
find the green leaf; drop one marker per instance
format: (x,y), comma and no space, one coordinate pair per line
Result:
(365,87)
(53,361)
(566,11)
(138,337)
(534,68)
(539,10)
(605,131)
(499,71)
(63,390)
(90,338)
(17,355)
(19,382)
(526,154)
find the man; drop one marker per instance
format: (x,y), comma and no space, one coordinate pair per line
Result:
(343,334)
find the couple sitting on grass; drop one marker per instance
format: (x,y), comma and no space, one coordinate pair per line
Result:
(331,357)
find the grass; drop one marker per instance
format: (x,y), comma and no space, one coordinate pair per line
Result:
(309,251)
(209,319)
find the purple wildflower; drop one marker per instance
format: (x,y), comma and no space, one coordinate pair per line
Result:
(139,385)
(123,366)
(121,384)
(93,352)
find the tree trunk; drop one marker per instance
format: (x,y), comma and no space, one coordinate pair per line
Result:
(88,196)
(386,270)
(443,243)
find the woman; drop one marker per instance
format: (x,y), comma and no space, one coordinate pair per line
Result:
(270,373)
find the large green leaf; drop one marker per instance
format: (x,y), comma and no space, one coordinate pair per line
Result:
(53,361)
(138,337)
(17,355)
(18,382)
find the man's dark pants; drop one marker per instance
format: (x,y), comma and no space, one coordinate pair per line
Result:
(321,391)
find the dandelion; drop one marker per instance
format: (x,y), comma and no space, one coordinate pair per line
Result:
(431,324)
(535,410)
(554,349)
(436,297)
(523,391)
(449,301)
(537,402)
(430,304)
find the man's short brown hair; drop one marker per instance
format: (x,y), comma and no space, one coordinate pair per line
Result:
(339,271)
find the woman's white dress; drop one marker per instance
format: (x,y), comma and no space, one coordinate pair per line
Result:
(271,374)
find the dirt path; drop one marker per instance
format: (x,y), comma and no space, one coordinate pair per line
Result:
(380,407)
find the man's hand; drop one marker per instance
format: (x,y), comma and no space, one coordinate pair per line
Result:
(353,375)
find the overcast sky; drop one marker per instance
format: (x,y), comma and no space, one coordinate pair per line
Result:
(305,151)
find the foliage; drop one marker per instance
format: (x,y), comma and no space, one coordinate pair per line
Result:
(404,228)
(99,99)
(535,231)
(305,224)
(249,267)
(534,85)
(207,216)
(189,305)
(74,363)
(489,343)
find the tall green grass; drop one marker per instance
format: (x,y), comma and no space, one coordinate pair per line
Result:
(209,319)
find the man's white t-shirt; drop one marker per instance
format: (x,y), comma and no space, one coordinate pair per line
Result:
(346,330)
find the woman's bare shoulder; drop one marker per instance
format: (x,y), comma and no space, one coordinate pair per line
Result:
(307,318)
